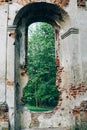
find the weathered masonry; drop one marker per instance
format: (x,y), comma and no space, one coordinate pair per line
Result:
(69,19)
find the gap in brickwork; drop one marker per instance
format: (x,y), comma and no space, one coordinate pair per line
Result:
(7,0)
(41,93)
(61,3)
(81,3)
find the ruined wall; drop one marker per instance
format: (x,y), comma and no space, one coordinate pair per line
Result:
(73,48)
(4,116)
(71,60)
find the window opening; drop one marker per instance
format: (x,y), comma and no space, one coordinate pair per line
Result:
(41,93)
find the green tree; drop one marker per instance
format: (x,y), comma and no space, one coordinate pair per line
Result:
(41,89)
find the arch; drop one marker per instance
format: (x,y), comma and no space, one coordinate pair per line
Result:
(35,12)
(40,12)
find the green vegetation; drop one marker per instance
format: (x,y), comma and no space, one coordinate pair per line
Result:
(41,90)
(81,126)
(39,109)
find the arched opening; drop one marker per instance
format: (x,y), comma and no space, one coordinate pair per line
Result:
(41,93)
(35,12)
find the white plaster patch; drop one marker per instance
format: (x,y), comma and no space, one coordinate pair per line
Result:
(11,118)
(10,96)
(13,10)
(2,92)
(25,119)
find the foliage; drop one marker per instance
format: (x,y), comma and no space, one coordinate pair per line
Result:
(39,109)
(41,90)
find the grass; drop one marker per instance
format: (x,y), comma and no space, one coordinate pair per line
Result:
(39,109)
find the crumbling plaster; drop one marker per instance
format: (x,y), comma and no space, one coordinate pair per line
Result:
(71,62)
